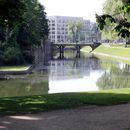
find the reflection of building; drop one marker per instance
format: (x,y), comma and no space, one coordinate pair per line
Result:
(71,69)
(59,29)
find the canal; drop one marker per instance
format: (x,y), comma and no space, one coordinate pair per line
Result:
(88,73)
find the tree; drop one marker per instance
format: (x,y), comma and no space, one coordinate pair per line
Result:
(35,28)
(112,8)
(74,29)
(11,12)
(120,20)
(34,31)
(11,15)
(18,38)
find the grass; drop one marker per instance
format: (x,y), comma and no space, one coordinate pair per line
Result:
(115,50)
(14,68)
(41,103)
(48,102)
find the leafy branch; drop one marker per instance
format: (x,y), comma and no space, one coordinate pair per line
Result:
(122,25)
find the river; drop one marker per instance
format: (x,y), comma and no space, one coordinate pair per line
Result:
(88,73)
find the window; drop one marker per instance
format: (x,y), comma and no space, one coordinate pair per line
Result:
(53,32)
(58,36)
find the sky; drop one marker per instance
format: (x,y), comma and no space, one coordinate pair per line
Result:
(76,8)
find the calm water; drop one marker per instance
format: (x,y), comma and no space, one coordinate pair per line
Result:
(88,73)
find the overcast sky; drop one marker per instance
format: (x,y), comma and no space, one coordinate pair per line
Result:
(78,8)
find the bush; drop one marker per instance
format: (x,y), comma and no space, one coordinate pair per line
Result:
(12,56)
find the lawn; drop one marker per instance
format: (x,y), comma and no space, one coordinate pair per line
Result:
(48,102)
(115,50)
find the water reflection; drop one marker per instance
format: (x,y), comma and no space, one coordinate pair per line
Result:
(74,75)
(34,84)
(87,74)
(71,75)
(117,76)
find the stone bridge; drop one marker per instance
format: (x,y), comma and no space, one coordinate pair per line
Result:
(77,46)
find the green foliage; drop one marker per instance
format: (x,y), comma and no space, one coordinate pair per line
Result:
(11,12)
(118,13)
(101,20)
(2,34)
(12,56)
(126,8)
(74,29)
(35,27)
(18,37)
(124,33)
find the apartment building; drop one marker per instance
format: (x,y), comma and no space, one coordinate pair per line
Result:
(58,26)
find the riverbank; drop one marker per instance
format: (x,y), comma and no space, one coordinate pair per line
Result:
(5,71)
(49,102)
(114,51)
(14,68)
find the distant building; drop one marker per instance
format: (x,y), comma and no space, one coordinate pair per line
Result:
(58,26)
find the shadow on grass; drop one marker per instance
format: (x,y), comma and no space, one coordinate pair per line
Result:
(34,104)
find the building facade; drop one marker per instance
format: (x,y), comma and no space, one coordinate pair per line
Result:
(58,26)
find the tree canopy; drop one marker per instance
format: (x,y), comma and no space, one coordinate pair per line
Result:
(117,17)
(112,8)
(23,26)
(11,12)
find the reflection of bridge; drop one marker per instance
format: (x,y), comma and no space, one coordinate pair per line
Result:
(72,69)
(77,46)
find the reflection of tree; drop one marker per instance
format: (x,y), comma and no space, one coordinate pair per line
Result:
(29,85)
(115,78)
(89,63)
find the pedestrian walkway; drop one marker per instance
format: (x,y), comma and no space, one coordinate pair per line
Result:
(83,118)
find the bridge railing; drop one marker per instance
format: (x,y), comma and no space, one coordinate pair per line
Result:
(64,43)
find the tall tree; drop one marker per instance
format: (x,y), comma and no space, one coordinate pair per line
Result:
(35,27)
(34,31)
(18,38)
(11,15)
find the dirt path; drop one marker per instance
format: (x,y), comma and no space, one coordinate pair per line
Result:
(83,118)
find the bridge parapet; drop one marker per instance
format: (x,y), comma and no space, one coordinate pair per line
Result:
(79,43)
(61,47)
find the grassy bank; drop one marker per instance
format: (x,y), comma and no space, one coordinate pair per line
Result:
(14,68)
(41,103)
(115,50)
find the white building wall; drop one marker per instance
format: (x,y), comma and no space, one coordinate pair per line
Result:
(59,28)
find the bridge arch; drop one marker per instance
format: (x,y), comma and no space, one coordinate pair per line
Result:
(77,46)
